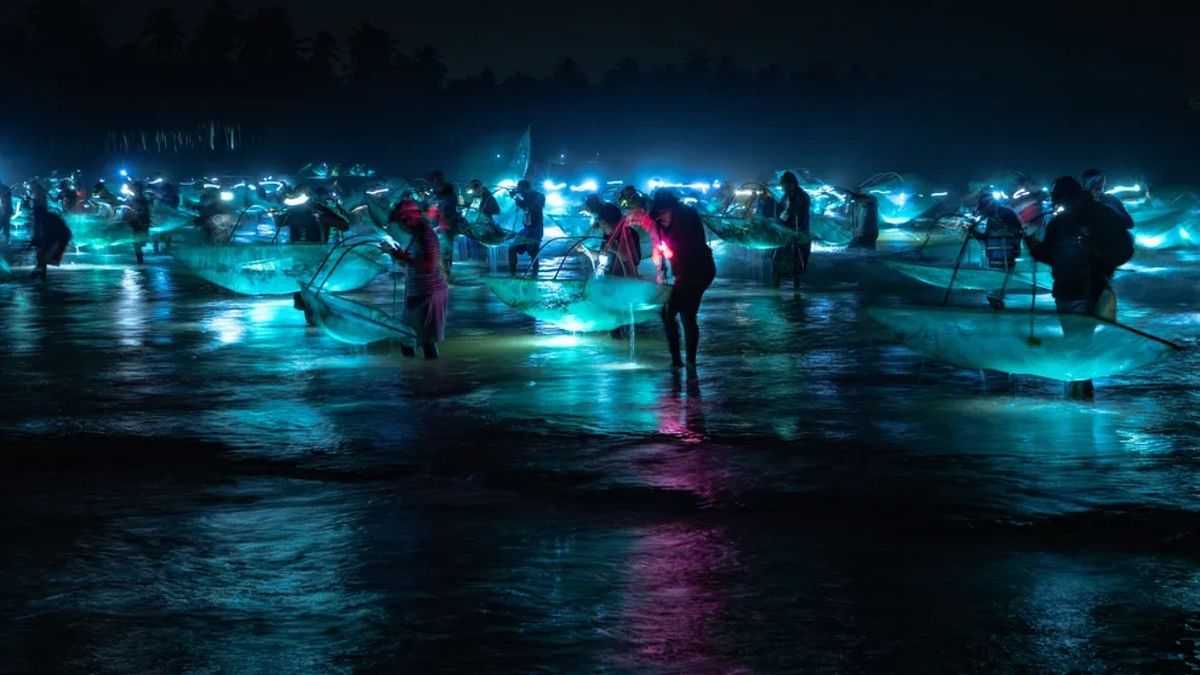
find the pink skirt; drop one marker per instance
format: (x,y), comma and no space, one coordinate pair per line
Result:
(426,315)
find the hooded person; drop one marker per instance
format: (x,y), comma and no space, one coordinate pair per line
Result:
(793,214)
(681,241)
(1095,182)
(1084,243)
(865,210)
(426,295)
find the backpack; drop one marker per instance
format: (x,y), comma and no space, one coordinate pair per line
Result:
(1113,242)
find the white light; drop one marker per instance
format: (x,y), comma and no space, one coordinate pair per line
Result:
(615,182)
(1184,234)
(212,186)
(497,155)
(1124,188)
(716,184)
(126,191)
(508,183)
(1020,193)
(156,181)
(378,191)
(938,194)
(899,200)
(124,173)
(549,185)
(588,185)
(226,196)
(999,194)
(562,340)
(299,200)
(555,200)
(701,187)
(745,193)
(1150,241)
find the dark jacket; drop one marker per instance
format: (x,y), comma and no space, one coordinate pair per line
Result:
(533,204)
(1002,233)
(488,205)
(691,258)
(1074,259)
(794,212)
(141,214)
(1115,204)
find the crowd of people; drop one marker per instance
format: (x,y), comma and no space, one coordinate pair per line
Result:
(1087,236)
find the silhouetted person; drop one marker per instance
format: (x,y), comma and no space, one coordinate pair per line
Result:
(620,243)
(529,239)
(1001,237)
(449,223)
(620,250)
(330,215)
(7,206)
(1095,182)
(1083,245)
(301,220)
(101,193)
(767,206)
(682,241)
(168,194)
(425,292)
(866,220)
(792,260)
(67,197)
(50,233)
(489,208)
(139,220)
(630,197)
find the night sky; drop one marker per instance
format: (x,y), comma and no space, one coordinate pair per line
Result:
(951,39)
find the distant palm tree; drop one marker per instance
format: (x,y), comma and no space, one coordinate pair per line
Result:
(568,77)
(429,73)
(269,41)
(218,35)
(372,52)
(322,55)
(162,33)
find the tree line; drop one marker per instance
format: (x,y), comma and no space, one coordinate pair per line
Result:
(271,95)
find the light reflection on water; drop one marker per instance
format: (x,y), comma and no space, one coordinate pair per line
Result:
(252,488)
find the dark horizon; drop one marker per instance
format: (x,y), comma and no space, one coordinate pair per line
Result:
(953,94)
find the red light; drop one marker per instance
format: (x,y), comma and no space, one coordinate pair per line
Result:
(666,250)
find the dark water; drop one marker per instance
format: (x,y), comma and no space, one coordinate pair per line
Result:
(196,482)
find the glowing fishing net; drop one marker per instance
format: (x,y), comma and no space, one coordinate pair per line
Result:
(582,306)
(352,322)
(972,278)
(832,228)
(1063,346)
(101,230)
(928,237)
(263,269)
(488,234)
(756,233)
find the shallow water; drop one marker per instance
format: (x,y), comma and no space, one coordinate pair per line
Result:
(196,481)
